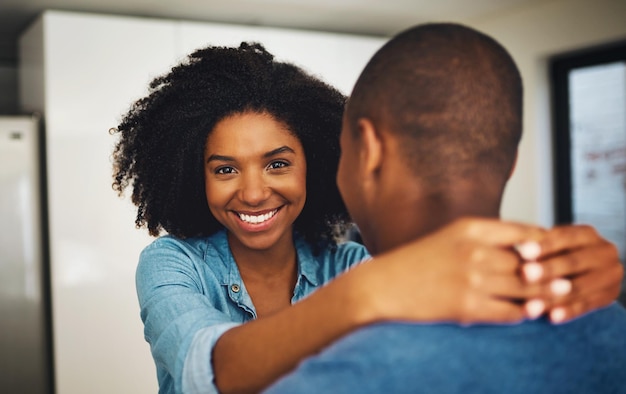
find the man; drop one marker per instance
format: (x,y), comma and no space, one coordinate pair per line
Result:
(430,136)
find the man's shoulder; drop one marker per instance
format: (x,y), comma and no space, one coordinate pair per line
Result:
(584,355)
(613,311)
(607,321)
(602,326)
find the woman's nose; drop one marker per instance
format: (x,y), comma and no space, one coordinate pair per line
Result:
(254,190)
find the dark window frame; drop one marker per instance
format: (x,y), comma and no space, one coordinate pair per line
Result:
(560,67)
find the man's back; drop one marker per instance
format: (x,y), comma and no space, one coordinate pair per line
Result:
(587,355)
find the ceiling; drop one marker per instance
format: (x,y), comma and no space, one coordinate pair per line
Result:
(373,17)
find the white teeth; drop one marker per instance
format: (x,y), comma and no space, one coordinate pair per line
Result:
(256,219)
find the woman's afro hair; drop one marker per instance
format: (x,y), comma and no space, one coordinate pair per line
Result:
(162,138)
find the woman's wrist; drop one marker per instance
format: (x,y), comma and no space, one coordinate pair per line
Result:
(365,298)
(396,286)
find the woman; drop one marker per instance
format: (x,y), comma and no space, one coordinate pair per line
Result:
(234,155)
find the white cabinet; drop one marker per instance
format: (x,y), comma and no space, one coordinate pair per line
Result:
(83,72)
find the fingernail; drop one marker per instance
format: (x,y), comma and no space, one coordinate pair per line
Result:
(533,271)
(560,286)
(557,315)
(529,250)
(534,308)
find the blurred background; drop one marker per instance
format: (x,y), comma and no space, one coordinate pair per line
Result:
(69,69)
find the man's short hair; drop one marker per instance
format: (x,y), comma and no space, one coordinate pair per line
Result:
(454,96)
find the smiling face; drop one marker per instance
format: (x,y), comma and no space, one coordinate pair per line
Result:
(255,180)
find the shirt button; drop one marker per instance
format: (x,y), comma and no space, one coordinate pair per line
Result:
(235,288)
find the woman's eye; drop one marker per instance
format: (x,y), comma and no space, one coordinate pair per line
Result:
(225,170)
(277,164)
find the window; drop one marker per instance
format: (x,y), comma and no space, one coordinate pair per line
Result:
(589,102)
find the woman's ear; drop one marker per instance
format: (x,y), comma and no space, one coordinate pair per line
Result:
(371,147)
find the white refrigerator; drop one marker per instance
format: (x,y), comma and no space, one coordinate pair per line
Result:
(25,329)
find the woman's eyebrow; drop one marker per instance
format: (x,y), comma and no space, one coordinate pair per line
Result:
(220,158)
(271,153)
(277,151)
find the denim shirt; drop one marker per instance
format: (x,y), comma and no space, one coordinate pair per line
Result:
(191,292)
(585,355)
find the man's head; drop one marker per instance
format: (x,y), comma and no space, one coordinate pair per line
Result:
(435,113)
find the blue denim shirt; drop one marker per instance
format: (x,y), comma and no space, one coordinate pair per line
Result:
(191,292)
(586,355)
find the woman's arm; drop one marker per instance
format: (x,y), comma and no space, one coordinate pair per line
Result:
(467,272)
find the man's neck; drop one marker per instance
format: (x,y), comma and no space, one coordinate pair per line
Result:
(409,217)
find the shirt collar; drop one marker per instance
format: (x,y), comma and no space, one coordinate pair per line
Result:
(308,265)
(218,244)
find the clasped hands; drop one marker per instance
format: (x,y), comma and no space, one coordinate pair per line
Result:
(485,270)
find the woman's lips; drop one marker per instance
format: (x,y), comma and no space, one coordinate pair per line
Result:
(256,221)
(257,218)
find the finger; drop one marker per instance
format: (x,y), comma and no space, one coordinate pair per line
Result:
(593,257)
(535,308)
(585,286)
(592,282)
(579,306)
(529,250)
(561,238)
(487,259)
(534,272)
(514,287)
(497,232)
(482,309)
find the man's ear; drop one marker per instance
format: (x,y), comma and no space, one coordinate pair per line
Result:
(371,147)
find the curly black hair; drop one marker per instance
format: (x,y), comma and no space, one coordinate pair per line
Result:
(162,138)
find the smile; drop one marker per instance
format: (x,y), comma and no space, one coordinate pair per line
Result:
(256,219)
